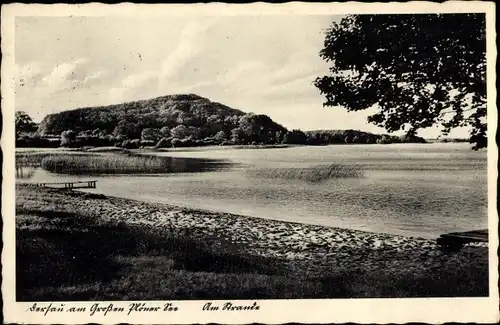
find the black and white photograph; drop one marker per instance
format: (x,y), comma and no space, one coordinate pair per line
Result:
(235,160)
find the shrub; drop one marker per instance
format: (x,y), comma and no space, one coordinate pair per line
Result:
(67,138)
(220,136)
(37,142)
(384,140)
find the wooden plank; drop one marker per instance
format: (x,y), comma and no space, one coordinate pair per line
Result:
(70,185)
(62,183)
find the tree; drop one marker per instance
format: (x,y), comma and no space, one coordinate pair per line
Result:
(151,134)
(193,132)
(418,70)
(68,138)
(220,136)
(165,131)
(179,132)
(294,137)
(24,123)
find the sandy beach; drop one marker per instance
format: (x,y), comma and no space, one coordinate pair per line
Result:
(298,250)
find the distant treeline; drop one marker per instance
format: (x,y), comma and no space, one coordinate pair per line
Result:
(178,121)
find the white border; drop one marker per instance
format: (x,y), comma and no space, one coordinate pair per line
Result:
(431,310)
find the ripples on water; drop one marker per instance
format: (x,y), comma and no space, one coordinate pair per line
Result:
(419,190)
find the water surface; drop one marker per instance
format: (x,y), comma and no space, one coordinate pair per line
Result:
(418,190)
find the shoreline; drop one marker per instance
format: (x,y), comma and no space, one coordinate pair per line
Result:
(323,248)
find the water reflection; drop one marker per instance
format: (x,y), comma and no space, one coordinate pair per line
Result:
(194,165)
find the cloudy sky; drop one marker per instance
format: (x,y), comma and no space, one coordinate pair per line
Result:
(261,64)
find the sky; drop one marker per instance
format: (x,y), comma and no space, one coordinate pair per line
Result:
(260,64)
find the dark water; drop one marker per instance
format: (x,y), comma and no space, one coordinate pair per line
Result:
(417,190)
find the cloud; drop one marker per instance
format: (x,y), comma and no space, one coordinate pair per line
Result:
(64,72)
(70,76)
(167,78)
(135,86)
(139,79)
(95,77)
(43,88)
(189,46)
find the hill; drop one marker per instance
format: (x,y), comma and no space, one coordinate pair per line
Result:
(183,120)
(186,117)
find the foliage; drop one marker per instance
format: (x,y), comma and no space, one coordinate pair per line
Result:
(324,137)
(220,136)
(164,143)
(180,116)
(294,137)
(155,122)
(36,141)
(419,70)
(24,123)
(165,131)
(152,134)
(67,138)
(179,132)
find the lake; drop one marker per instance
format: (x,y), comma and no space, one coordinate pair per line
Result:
(419,190)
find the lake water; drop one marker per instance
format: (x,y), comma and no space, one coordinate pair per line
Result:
(419,190)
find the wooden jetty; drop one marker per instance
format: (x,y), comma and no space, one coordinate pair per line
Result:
(456,240)
(69,185)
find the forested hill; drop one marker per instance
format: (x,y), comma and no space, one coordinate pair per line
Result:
(180,121)
(186,116)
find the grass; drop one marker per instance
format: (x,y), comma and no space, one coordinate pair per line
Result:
(67,256)
(35,158)
(311,174)
(122,162)
(83,164)
(67,253)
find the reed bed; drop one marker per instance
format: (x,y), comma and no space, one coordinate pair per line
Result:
(310,174)
(34,159)
(105,164)
(119,163)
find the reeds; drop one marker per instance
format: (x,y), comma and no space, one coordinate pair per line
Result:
(310,174)
(125,163)
(105,164)
(32,159)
